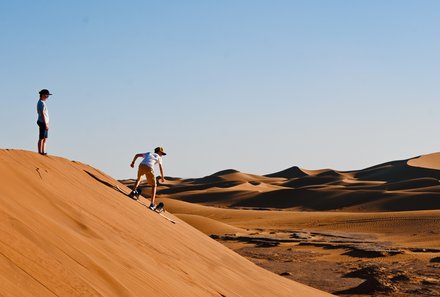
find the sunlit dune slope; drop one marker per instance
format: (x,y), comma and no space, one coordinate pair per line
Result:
(66,232)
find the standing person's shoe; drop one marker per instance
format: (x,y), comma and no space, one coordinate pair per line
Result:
(152,206)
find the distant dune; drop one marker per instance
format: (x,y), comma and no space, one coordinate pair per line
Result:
(404,185)
(293,172)
(65,231)
(431,161)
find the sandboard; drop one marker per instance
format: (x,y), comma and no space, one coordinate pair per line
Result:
(160,207)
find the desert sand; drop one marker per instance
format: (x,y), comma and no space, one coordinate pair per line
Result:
(67,232)
(369,232)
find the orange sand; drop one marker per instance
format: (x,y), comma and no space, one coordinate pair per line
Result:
(66,233)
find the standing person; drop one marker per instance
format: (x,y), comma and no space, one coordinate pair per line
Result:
(43,121)
(146,167)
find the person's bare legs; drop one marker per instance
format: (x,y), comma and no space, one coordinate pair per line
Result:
(138,181)
(42,145)
(153,194)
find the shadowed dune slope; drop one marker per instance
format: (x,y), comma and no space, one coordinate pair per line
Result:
(292,172)
(344,200)
(66,232)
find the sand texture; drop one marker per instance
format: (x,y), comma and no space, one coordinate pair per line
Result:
(65,231)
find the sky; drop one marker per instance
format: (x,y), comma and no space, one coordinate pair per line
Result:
(257,86)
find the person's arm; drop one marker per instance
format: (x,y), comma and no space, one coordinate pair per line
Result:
(161,173)
(45,121)
(134,159)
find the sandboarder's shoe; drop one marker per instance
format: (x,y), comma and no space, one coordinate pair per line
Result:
(139,192)
(152,206)
(134,195)
(159,207)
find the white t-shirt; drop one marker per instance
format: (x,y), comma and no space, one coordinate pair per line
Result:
(42,110)
(151,159)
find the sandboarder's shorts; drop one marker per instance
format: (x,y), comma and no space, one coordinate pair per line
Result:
(44,133)
(148,172)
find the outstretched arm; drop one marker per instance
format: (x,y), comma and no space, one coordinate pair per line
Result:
(134,159)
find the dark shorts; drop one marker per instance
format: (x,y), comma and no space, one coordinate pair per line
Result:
(44,133)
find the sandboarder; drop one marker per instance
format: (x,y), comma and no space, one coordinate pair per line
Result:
(43,121)
(146,167)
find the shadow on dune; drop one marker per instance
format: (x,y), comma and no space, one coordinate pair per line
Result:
(326,200)
(199,186)
(293,172)
(311,181)
(99,180)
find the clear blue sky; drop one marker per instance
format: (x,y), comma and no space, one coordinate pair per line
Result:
(257,86)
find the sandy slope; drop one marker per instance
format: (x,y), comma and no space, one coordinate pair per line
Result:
(65,232)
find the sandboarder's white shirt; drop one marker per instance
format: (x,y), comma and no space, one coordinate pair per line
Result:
(151,159)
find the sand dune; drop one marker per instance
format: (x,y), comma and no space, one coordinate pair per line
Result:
(370,232)
(312,180)
(430,161)
(66,232)
(292,172)
(393,186)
